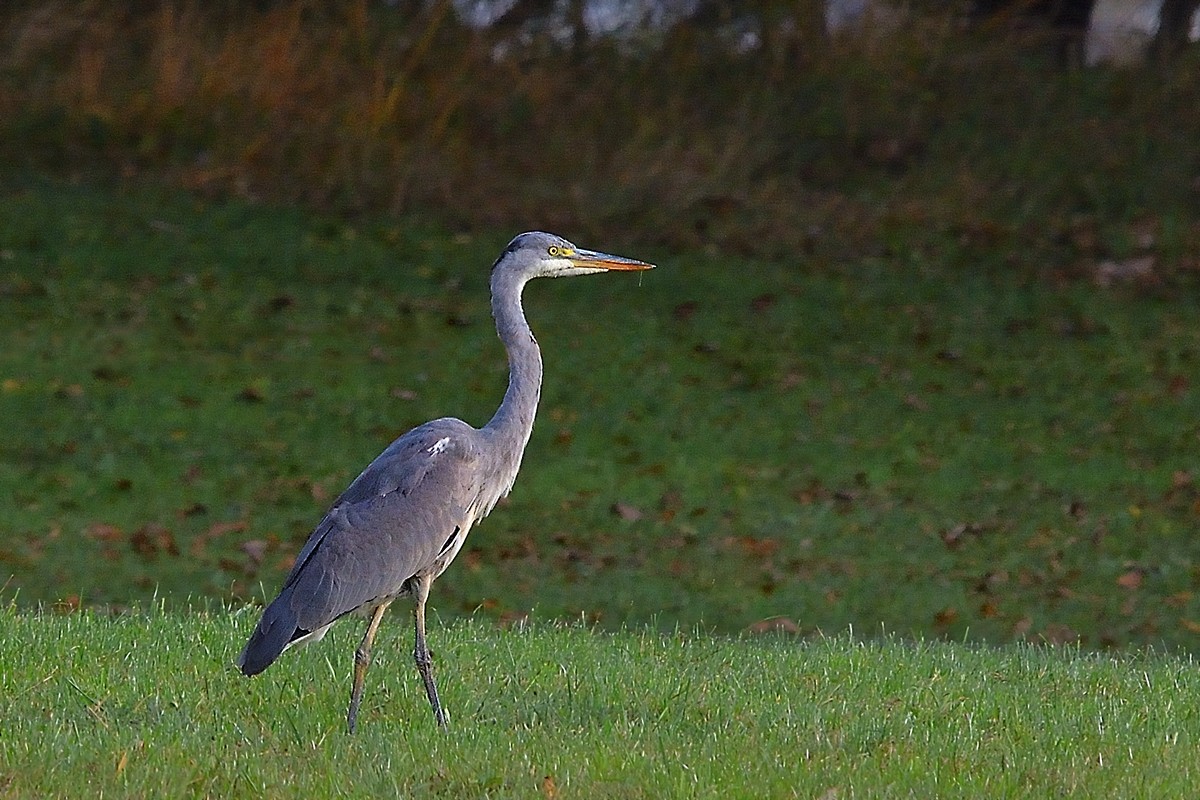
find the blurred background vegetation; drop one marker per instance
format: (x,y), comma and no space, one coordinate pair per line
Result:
(759,127)
(922,352)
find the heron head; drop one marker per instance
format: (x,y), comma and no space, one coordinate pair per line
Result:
(544,255)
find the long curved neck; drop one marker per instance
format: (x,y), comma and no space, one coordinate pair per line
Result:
(513,421)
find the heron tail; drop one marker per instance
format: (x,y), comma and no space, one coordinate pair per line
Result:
(276,629)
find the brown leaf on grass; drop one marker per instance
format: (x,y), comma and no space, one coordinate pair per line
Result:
(67,605)
(953,537)
(947,616)
(215,531)
(811,493)
(1131,579)
(790,380)
(992,581)
(774,625)
(195,509)
(626,512)
(151,539)
(319,491)
(1057,633)
(251,394)
(109,374)
(103,532)
(255,550)
(1130,270)
(756,548)
(510,620)
(762,302)
(474,560)
(686,310)
(549,788)
(1179,599)
(71,390)
(670,504)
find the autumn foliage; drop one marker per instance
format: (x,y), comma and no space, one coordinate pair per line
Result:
(830,147)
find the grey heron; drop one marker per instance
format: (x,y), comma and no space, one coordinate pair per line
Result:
(403,520)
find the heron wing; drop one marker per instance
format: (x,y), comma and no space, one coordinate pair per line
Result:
(392,522)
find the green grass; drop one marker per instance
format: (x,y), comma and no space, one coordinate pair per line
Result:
(149,705)
(908,442)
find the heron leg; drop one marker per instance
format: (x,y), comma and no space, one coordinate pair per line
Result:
(362,660)
(421,586)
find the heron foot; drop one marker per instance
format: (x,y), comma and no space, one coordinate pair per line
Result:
(421,650)
(425,667)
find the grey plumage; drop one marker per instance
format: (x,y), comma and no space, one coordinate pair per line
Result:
(404,518)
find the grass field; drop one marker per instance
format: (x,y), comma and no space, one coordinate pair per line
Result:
(149,705)
(920,486)
(907,443)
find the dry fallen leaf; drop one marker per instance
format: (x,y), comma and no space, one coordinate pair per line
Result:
(945,617)
(774,625)
(318,491)
(1129,270)
(251,394)
(103,532)
(762,302)
(685,310)
(255,549)
(1131,580)
(627,512)
(1057,633)
(67,605)
(1179,599)
(151,539)
(215,531)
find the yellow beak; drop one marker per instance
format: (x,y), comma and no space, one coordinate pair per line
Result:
(590,259)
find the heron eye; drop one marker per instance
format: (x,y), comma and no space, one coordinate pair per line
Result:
(555,250)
